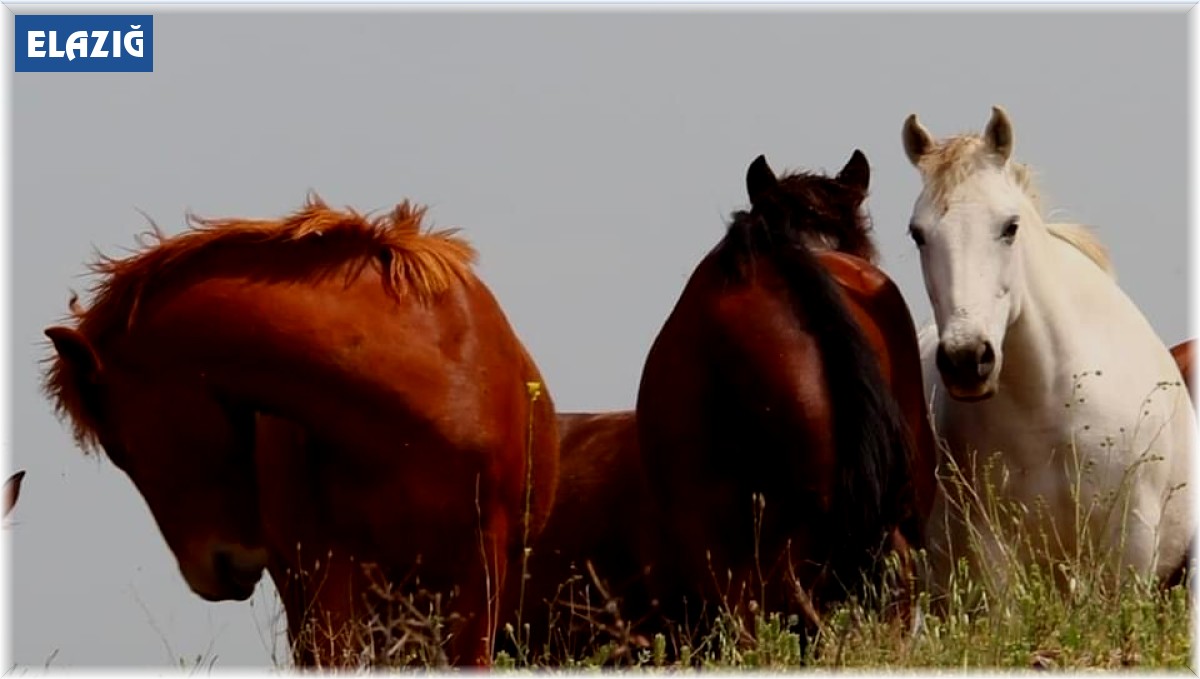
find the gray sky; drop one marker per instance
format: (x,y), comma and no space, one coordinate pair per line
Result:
(590,157)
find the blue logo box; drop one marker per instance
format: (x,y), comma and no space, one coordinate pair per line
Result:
(84,43)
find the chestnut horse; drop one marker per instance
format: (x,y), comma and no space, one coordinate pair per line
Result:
(780,414)
(431,450)
(1182,353)
(587,570)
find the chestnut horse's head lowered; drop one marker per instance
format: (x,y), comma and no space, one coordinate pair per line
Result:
(185,448)
(411,424)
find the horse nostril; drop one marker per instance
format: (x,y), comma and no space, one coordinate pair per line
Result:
(968,363)
(986,360)
(944,364)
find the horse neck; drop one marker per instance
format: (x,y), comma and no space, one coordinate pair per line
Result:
(1061,293)
(270,348)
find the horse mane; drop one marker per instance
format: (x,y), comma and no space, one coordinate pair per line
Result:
(773,225)
(1084,240)
(424,264)
(421,263)
(954,158)
(872,441)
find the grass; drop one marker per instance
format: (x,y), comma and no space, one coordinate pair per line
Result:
(1037,625)
(1070,614)
(1056,605)
(1032,622)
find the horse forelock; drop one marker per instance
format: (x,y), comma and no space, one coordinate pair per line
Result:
(954,159)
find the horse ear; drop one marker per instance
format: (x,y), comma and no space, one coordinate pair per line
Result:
(77,351)
(917,140)
(12,491)
(759,178)
(857,173)
(999,133)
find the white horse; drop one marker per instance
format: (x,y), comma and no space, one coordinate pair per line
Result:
(1048,368)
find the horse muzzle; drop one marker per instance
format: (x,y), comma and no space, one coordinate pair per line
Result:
(231,574)
(968,370)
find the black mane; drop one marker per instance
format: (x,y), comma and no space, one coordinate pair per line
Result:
(800,208)
(873,443)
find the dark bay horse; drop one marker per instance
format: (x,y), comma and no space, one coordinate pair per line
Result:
(587,570)
(430,448)
(781,415)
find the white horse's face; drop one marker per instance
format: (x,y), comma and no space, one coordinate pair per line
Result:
(968,235)
(972,269)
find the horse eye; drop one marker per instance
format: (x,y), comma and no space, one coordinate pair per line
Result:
(916,235)
(1010,230)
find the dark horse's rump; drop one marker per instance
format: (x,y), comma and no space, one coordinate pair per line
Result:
(762,383)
